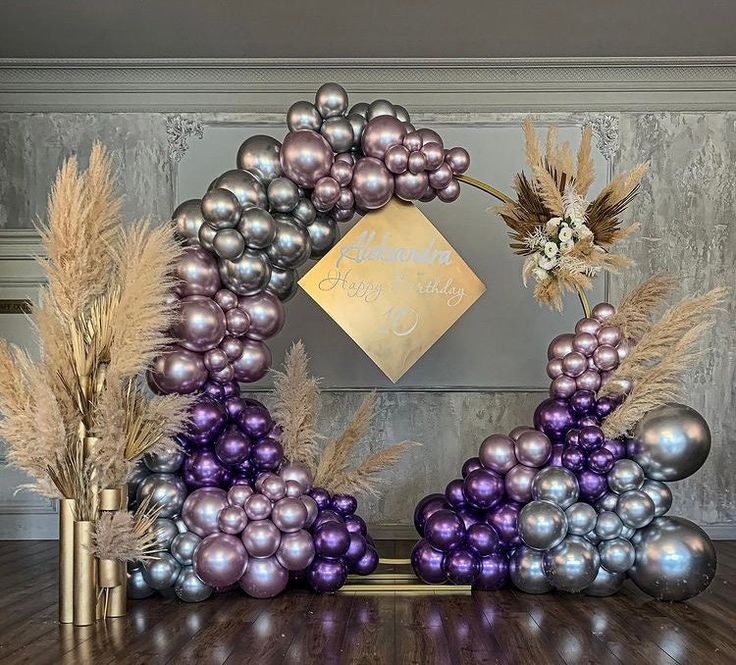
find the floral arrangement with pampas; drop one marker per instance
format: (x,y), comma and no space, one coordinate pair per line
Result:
(76,419)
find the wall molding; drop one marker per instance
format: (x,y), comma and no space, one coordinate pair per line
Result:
(462,84)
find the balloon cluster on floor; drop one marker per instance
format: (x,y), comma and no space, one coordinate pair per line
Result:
(559,506)
(258,223)
(236,513)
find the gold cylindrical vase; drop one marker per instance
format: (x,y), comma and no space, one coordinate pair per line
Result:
(85,575)
(113,498)
(66,560)
(117,604)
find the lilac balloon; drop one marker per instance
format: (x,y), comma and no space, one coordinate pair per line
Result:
(220,560)
(417,162)
(458,159)
(582,402)
(533,448)
(482,539)
(327,575)
(591,438)
(503,519)
(588,325)
(397,159)
(617,448)
(257,507)
(450,192)
(497,453)
(226,299)
(483,488)
(312,509)
(425,508)
(434,155)
(411,186)
(237,321)
(254,420)
(294,489)
(573,458)
(296,550)
(574,364)
(444,530)
(554,368)
(344,504)
(233,447)
(342,172)
(232,346)
(203,469)
(238,493)
(585,343)
(413,141)
(440,177)
(356,549)
(367,563)
(215,360)
(588,421)
(261,538)
(197,272)
(177,371)
(592,485)
(331,539)
(603,311)
(601,460)
(590,379)
(306,157)
(264,578)
(609,335)
(461,566)
(454,493)
(273,487)
(380,134)
(201,509)
(428,563)
(201,324)
(560,346)
(605,357)
(232,520)
(518,483)
(253,362)
(321,497)
(372,185)
(562,387)
(289,514)
(553,417)
(267,454)
(326,193)
(494,572)
(266,314)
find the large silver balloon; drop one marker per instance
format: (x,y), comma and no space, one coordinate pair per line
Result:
(675,559)
(183,546)
(161,573)
(228,244)
(247,188)
(635,508)
(257,227)
(166,490)
(542,525)
(605,583)
(660,494)
(581,518)
(165,531)
(617,555)
(137,587)
(303,115)
(165,461)
(323,234)
(283,195)
(291,246)
(220,208)
(305,212)
(671,442)
(625,475)
(138,474)
(188,219)
(247,275)
(572,565)
(282,283)
(608,525)
(296,550)
(259,154)
(190,588)
(339,133)
(526,571)
(331,100)
(556,484)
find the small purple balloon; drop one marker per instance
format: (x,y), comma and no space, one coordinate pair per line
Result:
(454,493)
(592,485)
(356,549)
(591,438)
(483,488)
(555,459)
(553,417)
(503,519)
(326,516)
(355,524)
(267,454)
(203,469)
(233,447)
(327,575)
(427,506)
(582,402)
(604,406)
(482,539)
(458,159)
(331,539)
(470,464)
(601,460)
(494,572)
(470,515)
(615,447)
(312,509)
(206,422)
(428,563)
(321,497)
(344,504)
(573,458)
(444,530)
(367,563)
(461,566)
(255,420)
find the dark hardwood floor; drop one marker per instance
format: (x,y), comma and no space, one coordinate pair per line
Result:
(299,627)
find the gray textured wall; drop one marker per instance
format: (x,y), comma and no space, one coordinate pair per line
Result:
(686,209)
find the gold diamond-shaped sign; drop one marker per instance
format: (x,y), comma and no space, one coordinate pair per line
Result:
(394,285)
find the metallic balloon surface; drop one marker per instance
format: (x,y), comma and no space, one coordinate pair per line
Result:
(264,578)
(581,518)
(261,538)
(306,157)
(660,494)
(259,154)
(282,283)
(188,218)
(542,525)
(291,246)
(202,508)
(247,274)
(617,555)
(497,453)
(323,234)
(220,560)
(228,244)
(177,370)
(266,314)
(164,461)
(189,588)
(605,583)
(626,475)
(137,587)
(165,530)
(166,490)
(671,442)
(161,573)
(201,324)
(232,520)
(183,546)
(526,571)
(555,484)
(289,514)
(428,563)
(635,508)
(518,483)
(257,227)
(303,115)
(296,550)
(572,565)
(247,188)
(331,100)
(283,194)
(220,208)
(372,184)
(675,559)
(298,472)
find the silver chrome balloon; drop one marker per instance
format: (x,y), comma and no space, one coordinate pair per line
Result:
(247,188)
(248,275)
(627,532)
(357,123)
(401,113)
(608,525)
(581,518)
(165,531)
(331,100)
(303,115)
(305,212)
(282,283)
(671,442)
(166,490)
(220,208)
(190,588)
(323,234)
(617,555)
(291,246)
(161,573)
(228,244)
(605,583)
(164,461)
(660,494)
(183,546)
(259,154)
(635,508)
(380,107)
(207,236)
(526,571)
(339,133)
(625,475)
(139,473)
(572,565)
(257,228)
(137,587)
(188,218)
(542,525)
(556,484)
(283,195)
(607,502)
(361,108)
(675,559)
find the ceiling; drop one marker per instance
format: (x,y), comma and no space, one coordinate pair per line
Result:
(381,28)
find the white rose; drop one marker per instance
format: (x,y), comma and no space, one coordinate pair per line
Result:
(539,274)
(547,263)
(550,249)
(553,224)
(565,234)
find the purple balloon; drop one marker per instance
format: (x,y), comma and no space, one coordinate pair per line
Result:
(482,539)
(321,497)
(372,184)
(356,549)
(238,493)
(553,417)
(601,460)
(267,454)
(458,159)
(503,519)
(470,516)
(560,346)
(177,370)
(206,423)
(233,447)
(494,572)
(296,550)
(331,539)
(306,157)
(232,519)
(264,578)
(591,438)
(266,314)
(497,452)
(582,401)
(587,421)
(327,575)
(592,485)
(233,406)
(616,447)
(428,563)
(397,158)
(203,469)
(201,324)
(257,507)
(201,509)
(220,560)
(197,272)
(254,420)
(483,488)
(573,458)
(425,507)
(444,530)
(355,524)
(380,134)
(367,563)
(273,487)
(326,516)
(555,458)
(461,566)
(604,406)
(454,493)
(344,504)
(471,464)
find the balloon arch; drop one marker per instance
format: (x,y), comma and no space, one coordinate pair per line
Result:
(555,506)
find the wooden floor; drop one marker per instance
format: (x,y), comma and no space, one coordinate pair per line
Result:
(299,627)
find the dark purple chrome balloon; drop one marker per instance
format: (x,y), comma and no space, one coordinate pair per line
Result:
(367,563)
(454,493)
(444,530)
(591,438)
(344,504)
(331,539)
(255,420)
(582,401)
(592,485)
(233,447)
(494,572)
(555,459)
(267,454)
(355,524)
(503,519)
(573,458)
(207,421)
(617,448)
(327,575)
(461,566)
(428,563)
(601,460)
(321,497)
(203,469)
(471,464)
(356,549)
(482,539)
(483,489)
(604,406)
(553,417)
(470,515)
(234,405)
(427,506)
(326,516)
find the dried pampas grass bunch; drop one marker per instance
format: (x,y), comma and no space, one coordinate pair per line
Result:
(566,238)
(296,402)
(101,318)
(124,536)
